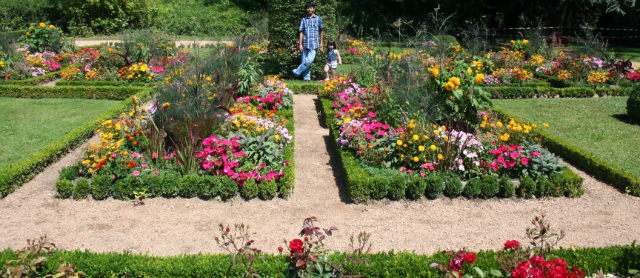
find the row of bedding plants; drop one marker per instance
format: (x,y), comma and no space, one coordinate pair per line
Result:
(425,128)
(199,137)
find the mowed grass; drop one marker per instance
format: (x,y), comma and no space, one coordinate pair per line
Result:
(29,125)
(598,125)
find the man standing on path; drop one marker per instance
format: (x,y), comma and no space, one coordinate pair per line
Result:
(310,32)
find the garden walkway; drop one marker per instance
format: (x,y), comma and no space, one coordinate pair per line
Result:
(603,216)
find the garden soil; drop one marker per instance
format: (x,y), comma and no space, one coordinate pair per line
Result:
(603,216)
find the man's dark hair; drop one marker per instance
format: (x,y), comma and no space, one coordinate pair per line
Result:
(309,4)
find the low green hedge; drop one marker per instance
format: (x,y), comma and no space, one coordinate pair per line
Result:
(601,169)
(363,185)
(550,92)
(311,88)
(613,259)
(19,173)
(633,105)
(105,92)
(172,184)
(100,83)
(35,81)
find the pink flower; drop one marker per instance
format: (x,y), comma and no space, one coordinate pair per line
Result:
(114,155)
(368,136)
(166,157)
(524,161)
(536,154)
(136,173)
(514,155)
(371,115)
(155,172)
(154,155)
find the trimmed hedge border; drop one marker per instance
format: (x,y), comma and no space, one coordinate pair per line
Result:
(34,81)
(101,83)
(612,259)
(105,92)
(19,173)
(359,182)
(601,169)
(633,105)
(310,88)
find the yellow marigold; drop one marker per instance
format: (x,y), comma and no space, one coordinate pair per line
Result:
(42,24)
(52,27)
(449,86)
(455,81)
(525,41)
(440,156)
(166,105)
(416,159)
(545,124)
(30,27)
(434,72)
(505,137)
(513,42)
(433,147)
(479,78)
(399,142)
(416,137)
(27,34)
(421,148)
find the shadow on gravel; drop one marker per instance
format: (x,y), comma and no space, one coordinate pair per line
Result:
(336,169)
(625,119)
(318,105)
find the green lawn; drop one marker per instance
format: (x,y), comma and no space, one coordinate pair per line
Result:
(598,125)
(28,125)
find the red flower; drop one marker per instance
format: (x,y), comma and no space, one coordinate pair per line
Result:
(469,257)
(280,248)
(296,245)
(511,244)
(537,260)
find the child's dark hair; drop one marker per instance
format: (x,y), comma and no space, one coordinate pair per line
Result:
(310,4)
(332,43)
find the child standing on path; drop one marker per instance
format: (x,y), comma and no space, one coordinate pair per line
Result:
(310,38)
(333,59)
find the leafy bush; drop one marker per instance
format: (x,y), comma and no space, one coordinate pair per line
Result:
(633,105)
(379,186)
(101,186)
(435,185)
(544,186)
(64,188)
(81,189)
(46,37)
(86,17)
(507,188)
(190,186)
(211,186)
(171,184)
(416,186)
(267,189)
(228,187)
(490,186)
(453,187)
(473,188)
(69,172)
(250,189)
(527,187)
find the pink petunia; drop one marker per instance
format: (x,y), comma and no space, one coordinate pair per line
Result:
(368,136)
(155,172)
(136,173)
(154,155)
(524,161)
(514,155)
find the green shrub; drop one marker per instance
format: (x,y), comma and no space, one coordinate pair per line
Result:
(416,186)
(211,185)
(267,189)
(507,189)
(307,88)
(379,186)
(527,187)
(397,187)
(633,105)
(69,172)
(101,186)
(153,184)
(472,188)
(287,182)
(107,17)
(490,186)
(569,182)
(453,187)
(543,185)
(190,186)
(81,189)
(113,93)
(64,188)
(250,189)
(171,184)
(435,185)
(228,188)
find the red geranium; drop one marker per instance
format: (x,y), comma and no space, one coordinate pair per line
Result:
(469,257)
(296,245)
(511,244)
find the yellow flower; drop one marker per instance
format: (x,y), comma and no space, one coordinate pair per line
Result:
(416,137)
(52,27)
(545,124)
(449,86)
(399,142)
(421,148)
(505,137)
(166,105)
(499,124)
(30,27)
(455,81)
(437,132)
(435,72)
(525,41)
(416,159)
(27,34)
(42,24)
(433,147)
(440,156)
(513,42)
(479,78)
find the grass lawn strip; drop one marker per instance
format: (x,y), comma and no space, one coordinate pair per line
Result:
(30,124)
(597,125)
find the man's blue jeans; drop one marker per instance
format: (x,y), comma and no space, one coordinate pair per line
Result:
(308,55)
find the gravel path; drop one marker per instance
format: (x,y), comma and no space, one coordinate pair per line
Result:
(602,217)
